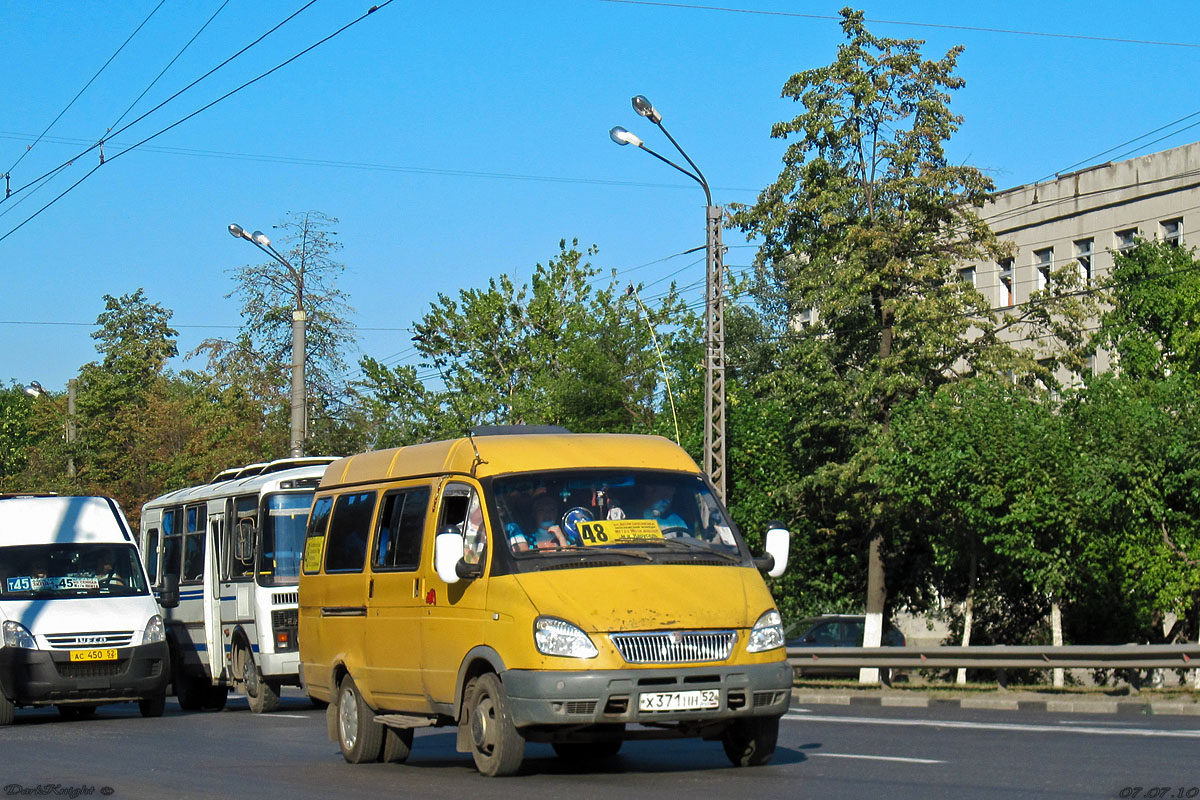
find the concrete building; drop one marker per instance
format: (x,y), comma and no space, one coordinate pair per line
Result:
(1082,217)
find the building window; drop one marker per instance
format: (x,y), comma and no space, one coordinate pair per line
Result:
(806,318)
(1007,297)
(1042,262)
(967,276)
(1125,239)
(1083,255)
(1172,231)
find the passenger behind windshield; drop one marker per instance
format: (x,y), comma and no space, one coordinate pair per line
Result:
(70,570)
(560,511)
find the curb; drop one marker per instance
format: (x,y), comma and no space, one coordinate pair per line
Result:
(1021,702)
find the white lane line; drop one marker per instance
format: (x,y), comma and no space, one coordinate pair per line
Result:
(277,714)
(876,758)
(1001,726)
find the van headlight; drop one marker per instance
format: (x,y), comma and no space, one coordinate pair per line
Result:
(556,637)
(17,635)
(767,633)
(155,632)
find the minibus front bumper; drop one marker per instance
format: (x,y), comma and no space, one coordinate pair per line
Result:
(537,697)
(43,677)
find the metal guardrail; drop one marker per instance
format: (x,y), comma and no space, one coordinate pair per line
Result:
(1125,656)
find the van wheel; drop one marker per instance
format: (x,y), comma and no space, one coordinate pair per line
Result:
(215,697)
(189,691)
(7,710)
(76,712)
(397,744)
(359,735)
(587,751)
(154,705)
(750,742)
(496,744)
(263,695)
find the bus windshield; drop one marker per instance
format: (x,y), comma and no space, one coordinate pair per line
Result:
(283,521)
(43,571)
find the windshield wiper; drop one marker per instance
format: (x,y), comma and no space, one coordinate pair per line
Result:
(696,547)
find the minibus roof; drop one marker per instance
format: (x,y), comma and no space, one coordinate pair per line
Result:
(485,456)
(48,520)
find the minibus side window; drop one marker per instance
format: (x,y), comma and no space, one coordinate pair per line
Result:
(349,530)
(172,541)
(151,555)
(401,529)
(314,537)
(193,545)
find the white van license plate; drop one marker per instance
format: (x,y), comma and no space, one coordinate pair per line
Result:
(107,654)
(679,701)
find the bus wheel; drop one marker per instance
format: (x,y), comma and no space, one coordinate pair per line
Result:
(397,744)
(154,705)
(359,735)
(263,696)
(6,710)
(496,744)
(750,742)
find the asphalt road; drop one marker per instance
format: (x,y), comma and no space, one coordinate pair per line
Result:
(824,752)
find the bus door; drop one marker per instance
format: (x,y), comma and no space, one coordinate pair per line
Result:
(213,637)
(239,555)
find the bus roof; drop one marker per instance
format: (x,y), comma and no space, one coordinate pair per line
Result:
(503,454)
(255,479)
(50,520)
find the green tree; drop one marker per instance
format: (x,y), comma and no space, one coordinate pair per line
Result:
(863,232)
(553,351)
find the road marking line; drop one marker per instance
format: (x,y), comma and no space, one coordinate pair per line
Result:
(877,758)
(1003,726)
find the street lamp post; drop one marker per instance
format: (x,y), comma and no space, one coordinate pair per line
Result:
(299,333)
(35,389)
(714,317)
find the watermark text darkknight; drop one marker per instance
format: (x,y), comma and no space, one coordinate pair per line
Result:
(55,790)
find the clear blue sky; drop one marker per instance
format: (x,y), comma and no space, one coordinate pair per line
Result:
(459,140)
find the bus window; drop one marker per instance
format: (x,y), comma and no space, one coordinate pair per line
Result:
(151,555)
(172,542)
(193,546)
(282,539)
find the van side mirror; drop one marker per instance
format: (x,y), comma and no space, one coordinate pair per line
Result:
(447,553)
(168,597)
(775,561)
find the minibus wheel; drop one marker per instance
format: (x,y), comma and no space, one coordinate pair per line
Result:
(67,711)
(397,744)
(496,744)
(750,742)
(154,705)
(360,736)
(261,694)
(7,710)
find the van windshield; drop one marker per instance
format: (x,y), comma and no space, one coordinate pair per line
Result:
(285,517)
(39,571)
(651,512)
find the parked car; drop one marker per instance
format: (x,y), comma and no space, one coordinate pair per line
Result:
(834,630)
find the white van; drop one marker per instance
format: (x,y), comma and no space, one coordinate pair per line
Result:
(80,626)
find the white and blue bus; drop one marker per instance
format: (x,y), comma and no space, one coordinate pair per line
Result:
(233,546)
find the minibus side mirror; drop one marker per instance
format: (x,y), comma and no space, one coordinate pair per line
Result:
(169,596)
(447,552)
(775,561)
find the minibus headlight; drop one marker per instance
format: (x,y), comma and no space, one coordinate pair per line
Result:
(155,632)
(767,633)
(556,637)
(17,635)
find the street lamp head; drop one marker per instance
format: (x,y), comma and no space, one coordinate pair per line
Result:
(34,389)
(237,231)
(624,137)
(642,106)
(260,238)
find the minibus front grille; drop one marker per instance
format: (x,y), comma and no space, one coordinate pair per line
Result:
(75,641)
(674,647)
(286,598)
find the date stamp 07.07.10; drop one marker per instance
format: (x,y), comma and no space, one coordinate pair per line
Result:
(1160,792)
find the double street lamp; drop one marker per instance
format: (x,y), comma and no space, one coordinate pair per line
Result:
(714,318)
(35,389)
(299,332)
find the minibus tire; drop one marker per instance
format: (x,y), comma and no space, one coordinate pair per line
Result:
(7,710)
(496,744)
(215,697)
(261,695)
(154,705)
(364,743)
(750,742)
(397,744)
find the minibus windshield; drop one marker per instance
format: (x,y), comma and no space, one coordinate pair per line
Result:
(667,512)
(284,519)
(40,571)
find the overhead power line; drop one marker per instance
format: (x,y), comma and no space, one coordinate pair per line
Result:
(977,29)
